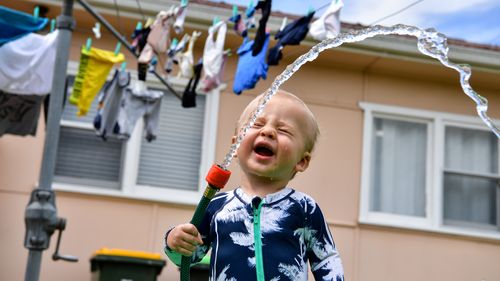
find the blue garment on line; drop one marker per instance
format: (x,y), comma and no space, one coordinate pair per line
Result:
(250,68)
(15,24)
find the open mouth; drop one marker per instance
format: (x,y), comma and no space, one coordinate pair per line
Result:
(263,150)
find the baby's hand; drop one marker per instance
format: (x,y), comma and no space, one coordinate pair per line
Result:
(184,238)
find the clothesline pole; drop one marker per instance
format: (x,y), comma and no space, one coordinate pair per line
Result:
(118,36)
(41,213)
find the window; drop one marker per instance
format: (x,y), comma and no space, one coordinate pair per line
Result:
(170,168)
(429,171)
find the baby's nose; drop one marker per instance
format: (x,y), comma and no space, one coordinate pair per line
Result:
(268,131)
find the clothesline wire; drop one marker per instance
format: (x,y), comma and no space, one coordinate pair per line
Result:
(118,20)
(397,12)
(140,9)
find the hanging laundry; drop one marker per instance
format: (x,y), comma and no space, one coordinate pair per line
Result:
(105,121)
(94,68)
(261,36)
(139,39)
(159,37)
(137,102)
(180,16)
(250,68)
(27,64)
(292,34)
(19,114)
(239,26)
(173,52)
(213,57)
(328,25)
(186,59)
(15,24)
(189,96)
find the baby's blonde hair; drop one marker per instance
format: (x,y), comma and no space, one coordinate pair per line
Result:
(312,135)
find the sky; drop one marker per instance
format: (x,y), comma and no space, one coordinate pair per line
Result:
(476,21)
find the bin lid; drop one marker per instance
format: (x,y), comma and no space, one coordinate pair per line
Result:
(127,253)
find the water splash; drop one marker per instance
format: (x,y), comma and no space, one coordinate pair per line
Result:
(429,42)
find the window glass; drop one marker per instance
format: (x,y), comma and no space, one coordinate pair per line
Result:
(469,194)
(398,168)
(173,159)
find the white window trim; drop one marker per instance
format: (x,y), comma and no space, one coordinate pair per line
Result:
(437,122)
(131,153)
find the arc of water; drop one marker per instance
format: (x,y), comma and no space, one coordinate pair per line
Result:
(430,43)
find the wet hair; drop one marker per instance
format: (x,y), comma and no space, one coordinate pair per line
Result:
(312,135)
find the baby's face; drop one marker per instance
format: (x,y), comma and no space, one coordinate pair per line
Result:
(274,147)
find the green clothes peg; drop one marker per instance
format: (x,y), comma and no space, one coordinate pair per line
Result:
(52,25)
(117,48)
(36,12)
(89,44)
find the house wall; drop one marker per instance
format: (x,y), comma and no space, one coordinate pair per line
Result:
(333,86)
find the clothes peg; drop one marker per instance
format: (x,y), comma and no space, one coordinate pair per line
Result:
(138,26)
(89,44)
(184,3)
(123,66)
(117,48)
(52,25)
(36,12)
(235,10)
(250,9)
(97,30)
(148,22)
(310,10)
(283,23)
(215,21)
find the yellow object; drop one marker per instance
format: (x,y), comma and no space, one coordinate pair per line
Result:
(128,253)
(96,71)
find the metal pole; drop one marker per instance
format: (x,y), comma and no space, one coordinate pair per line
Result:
(41,212)
(124,42)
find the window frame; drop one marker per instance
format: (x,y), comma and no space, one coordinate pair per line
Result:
(437,123)
(128,188)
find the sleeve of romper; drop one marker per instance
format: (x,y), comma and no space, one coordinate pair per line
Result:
(201,250)
(321,251)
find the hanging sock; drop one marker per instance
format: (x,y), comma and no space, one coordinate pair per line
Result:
(213,57)
(19,114)
(180,17)
(292,34)
(186,59)
(261,37)
(189,96)
(27,64)
(97,64)
(15,24)
(250,68)
(328,25)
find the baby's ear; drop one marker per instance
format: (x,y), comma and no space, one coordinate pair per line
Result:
(303,164)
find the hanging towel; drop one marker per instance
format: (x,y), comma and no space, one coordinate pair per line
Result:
(213,56)
(250,68)
(27,64)
(97,64)
(19,114)
(15,24)
(328,25)
(292,34)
